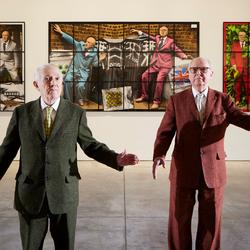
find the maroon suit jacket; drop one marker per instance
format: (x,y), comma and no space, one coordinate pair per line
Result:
(163,57)
(237,56)
(198,148)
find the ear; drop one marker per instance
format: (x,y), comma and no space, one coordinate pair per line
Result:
(35,84)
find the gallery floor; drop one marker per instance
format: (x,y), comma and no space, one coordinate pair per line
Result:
(128,211)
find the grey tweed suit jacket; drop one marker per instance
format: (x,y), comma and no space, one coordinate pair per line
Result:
(49,166)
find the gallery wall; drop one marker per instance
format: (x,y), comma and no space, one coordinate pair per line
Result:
(134,131)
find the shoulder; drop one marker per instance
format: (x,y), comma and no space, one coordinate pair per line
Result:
(221,97)
(170,39)
(217,93)
(73,108)
(12,43)
(182,94)
(27,105)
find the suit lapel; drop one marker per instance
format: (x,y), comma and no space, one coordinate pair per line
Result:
(192,104)
(37,119)
(61,114)
(211,99)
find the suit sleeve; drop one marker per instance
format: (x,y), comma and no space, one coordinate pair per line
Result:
(69,39)
(232,56)
(166,131)
(178,51)
(95,149)
(236,116)
(10,145)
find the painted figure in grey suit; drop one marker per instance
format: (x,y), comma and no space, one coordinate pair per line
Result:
(8,57)
(47,177)
(85,57)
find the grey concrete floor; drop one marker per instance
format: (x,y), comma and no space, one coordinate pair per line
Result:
(129,210)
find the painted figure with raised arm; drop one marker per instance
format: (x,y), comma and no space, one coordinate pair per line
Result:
(85,57)
(161,63)
(198,118)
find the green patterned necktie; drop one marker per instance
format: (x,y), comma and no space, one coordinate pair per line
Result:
(48,121)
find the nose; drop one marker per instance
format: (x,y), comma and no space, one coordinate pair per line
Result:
(198,71)
(52,82)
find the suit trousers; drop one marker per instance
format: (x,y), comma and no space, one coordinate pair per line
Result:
(33,229)
(181,206)
(242,86)
(146,78)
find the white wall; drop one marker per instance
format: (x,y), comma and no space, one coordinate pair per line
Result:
(134,131)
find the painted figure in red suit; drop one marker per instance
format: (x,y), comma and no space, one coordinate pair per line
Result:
(161,63)
(198,118)
(240,62)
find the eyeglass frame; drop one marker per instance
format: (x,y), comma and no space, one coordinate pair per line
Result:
(194,70)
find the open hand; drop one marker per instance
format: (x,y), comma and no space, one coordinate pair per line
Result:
(124,159)
(158,161)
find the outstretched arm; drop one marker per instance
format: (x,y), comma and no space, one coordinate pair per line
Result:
(124,159)
(10,145)
(57,29)
(135,31)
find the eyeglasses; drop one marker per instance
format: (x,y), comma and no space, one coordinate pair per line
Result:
(194,70)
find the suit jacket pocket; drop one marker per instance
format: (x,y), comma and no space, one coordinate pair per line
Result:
(221,116)
(24,179)
(67,133)
(70,179)
(218,119)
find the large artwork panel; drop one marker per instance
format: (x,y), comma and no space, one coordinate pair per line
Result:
(123,66)
(236,63)
(12,71)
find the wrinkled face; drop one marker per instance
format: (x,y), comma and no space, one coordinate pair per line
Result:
(200,73)
(5,36)
(163,31)
(90,43)
(49,84)
(242,36)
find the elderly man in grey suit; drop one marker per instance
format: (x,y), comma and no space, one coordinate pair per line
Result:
(9,60)
(47,131)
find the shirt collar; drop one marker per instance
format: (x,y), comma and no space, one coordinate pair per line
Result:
(195,92)
(7,42)
(55,105)
(164,38)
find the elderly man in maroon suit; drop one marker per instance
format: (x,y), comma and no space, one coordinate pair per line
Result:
(198,118)
(161,63)
(239,62)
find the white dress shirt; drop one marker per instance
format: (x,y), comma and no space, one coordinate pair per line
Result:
(55,106)
(200,100)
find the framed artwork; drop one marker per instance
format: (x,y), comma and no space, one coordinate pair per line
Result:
(236,52)
(12,73)
(123,66)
